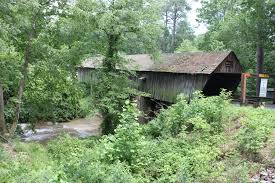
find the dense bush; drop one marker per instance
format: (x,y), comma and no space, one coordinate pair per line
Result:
(256,130)
(109,94)
(179,116)
(186,154)
(54,97)
(31,164)
(48,97)
(184,143)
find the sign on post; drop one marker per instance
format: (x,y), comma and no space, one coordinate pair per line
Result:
(263,87)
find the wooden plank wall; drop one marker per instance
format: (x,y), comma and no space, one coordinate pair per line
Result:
(229,65)
(84,74)
(161,86)
(166,86)
(87,76)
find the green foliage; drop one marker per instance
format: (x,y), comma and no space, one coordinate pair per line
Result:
(176,28)
(116,22)
(51,92)
(52,97)
(239,25)
(187,46)
(185,143)
(235,169)
(126,143)
(70,148)
(3,155)
(89,160)
(9,65)
(179,116)
(256,131)
(30,164)
(109,94)
(167,159)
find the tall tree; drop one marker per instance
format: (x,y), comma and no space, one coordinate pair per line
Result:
(9,71)
(117,22)
(245,26)
(26,20)
(3,128)
(260,14)
(2,76)
(174,13)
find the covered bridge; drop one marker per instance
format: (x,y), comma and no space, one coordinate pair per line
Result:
(173,74)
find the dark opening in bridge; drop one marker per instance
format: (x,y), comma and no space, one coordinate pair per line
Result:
(218,81)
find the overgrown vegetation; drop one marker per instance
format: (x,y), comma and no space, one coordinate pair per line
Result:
(39,50)
(208,140)
(37,64)
(244,26)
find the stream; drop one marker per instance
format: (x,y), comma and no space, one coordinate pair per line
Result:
(44,132)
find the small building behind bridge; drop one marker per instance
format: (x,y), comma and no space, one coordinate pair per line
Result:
(178,73)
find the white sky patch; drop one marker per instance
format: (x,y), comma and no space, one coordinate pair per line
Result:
(192,16)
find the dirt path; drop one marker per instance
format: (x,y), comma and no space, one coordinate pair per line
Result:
(80,128)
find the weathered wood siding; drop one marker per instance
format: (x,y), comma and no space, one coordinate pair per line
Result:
(86,75)
(230,65)
(166,86)
(161,86)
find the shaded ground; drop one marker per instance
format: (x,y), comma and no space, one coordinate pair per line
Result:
(80,128)
(267,106)
(270,106)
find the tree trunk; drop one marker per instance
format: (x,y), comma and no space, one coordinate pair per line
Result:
(3,128)
(21,86)
(166,19)
(175,17)
(260,16)
(165,40)
(260,63)
(112,53)
(109,65)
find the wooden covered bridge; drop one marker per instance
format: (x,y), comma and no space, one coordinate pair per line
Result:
(173,74)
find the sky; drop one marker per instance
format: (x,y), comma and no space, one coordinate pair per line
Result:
(192,16)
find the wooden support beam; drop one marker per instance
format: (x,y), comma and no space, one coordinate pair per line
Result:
(243,87)
(244,77)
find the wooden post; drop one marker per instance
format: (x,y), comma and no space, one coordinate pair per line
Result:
(243,88)
(142,104)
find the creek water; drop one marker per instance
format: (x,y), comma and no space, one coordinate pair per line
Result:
(46,131)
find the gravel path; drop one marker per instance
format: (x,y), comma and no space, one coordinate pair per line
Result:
(265,176)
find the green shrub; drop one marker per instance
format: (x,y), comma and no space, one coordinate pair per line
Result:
(183,144)
(30,163)
(171,121)
(3,155)
(109,93)
(126,143)
(94,171)
(55,99)
(256,130)
(66,148)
